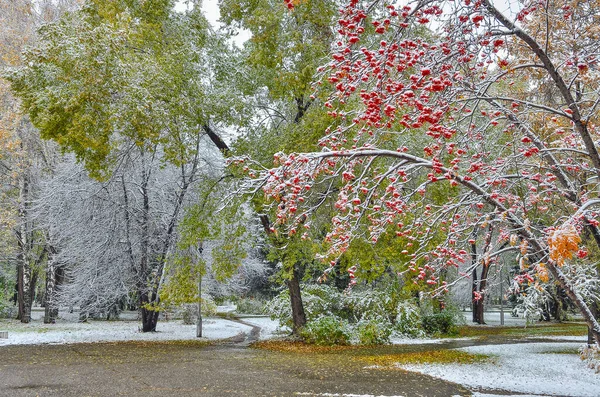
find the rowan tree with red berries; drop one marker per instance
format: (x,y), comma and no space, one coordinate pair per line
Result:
(498,109)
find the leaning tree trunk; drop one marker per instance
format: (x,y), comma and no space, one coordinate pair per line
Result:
(298,315)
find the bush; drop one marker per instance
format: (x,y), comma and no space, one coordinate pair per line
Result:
(408,320)
(327,330)
(189,311)
(443,322)
(369,316)
(374,331)
(318,300)
(250,306)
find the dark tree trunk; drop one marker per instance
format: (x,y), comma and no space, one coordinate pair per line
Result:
(149,316)
(475,307)
(20,293)
(479,285)
(293,284)
(298,315)
(27,281)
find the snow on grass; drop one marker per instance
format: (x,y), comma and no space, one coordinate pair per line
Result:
(342,395)
(112,331)
(404,340)
(537,368)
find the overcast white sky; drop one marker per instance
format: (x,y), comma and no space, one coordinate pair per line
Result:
(211,12)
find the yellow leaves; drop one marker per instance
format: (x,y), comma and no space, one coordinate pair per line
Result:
(523,247)
(542,272)
(562,243)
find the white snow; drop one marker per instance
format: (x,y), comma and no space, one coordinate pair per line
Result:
(476,394)
(68,330)
(401,340)
(536,368)
(342,395)
(112,331)
(268,328)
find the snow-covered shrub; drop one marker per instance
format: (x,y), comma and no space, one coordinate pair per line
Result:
(327,330)
(318,300)
(408,319)
(250,306)
(188,312)
(369,316)
(591,355)
(374,331)
(368,304)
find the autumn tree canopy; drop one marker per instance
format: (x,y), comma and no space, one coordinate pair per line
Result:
(497,108)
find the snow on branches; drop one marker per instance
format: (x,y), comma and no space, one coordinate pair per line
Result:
(453,122)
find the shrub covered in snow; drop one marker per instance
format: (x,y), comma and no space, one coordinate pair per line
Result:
(189,312)
(249,305)
(327,330)
(374,331)
(370,316)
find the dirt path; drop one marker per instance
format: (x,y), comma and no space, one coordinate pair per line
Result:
(244,339)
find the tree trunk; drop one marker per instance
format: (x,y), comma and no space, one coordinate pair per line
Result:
(298,315)
(51,310)
(149,316)
(594,310)
(199,319)
(20,292)
(474,301)
(26,292)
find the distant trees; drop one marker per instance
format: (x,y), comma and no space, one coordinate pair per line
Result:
(26,159)
(130,89)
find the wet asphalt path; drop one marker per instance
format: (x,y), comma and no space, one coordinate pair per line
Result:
(230,369)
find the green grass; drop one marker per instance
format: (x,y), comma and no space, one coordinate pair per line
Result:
(444,356)
(540,330)
(381,356)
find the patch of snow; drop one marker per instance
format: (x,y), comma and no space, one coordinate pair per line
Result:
(400,340)
(494,318)
(565,338)
(342,395)
(523,368)
(226,308)
(269,329)
(112,331)
(475,394)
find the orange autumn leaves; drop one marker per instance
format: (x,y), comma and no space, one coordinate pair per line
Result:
(563,243)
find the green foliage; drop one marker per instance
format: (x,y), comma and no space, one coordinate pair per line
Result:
(181,286)
(327,330)
(444,322)
(206,221)
(189,312)
(374,331)
(408,319)
(119,72)
(368,316)
(249,305)
(285,48)
(4,296)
